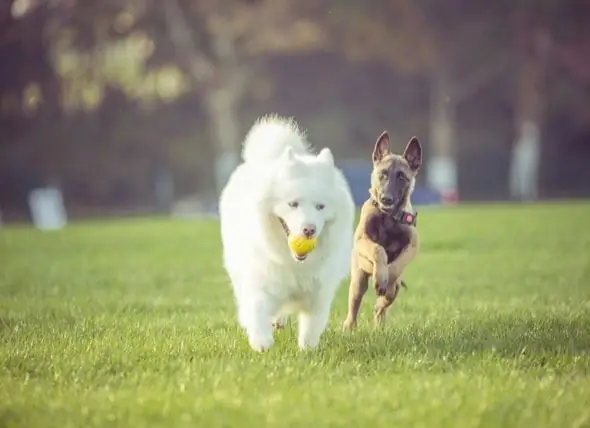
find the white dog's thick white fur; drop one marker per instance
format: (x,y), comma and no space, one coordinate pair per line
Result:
(281,178)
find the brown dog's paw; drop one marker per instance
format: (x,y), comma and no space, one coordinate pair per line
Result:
(379,312)
(348,325)
(381,287)
(381,279)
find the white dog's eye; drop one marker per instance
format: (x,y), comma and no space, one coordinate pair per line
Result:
(320,207)
(293,204)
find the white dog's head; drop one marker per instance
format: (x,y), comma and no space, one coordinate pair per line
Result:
(303,194)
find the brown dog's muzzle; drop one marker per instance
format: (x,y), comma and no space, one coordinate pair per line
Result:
(387,201)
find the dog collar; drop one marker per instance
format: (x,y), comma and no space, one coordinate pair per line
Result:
(403,217)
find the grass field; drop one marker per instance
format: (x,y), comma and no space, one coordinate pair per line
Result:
(131,323)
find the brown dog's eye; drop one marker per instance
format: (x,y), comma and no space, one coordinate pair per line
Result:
(384,173)
(320,207)
(293,204)
(401,176)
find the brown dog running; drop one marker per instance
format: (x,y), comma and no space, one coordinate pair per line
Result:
(386,239)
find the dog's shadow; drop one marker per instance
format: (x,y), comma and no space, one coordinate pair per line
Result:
(527,339)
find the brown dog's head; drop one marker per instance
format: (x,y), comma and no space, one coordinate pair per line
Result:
(394,176)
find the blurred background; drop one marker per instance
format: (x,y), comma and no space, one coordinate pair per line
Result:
(140,106)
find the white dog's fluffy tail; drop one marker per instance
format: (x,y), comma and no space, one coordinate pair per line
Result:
(269,136)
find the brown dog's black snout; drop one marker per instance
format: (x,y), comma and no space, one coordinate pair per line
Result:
(387,200)
(309,230)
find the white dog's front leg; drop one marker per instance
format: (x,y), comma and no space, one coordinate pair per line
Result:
(312,323)
(255,315)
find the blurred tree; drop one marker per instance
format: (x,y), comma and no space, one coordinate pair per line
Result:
(390,31)
(458,47)
(547,33)
(82,71)
(216,44)
(532,41)
(27,75)
(462,47)
(29,86)
(150,50)
(219,45)
(471,45)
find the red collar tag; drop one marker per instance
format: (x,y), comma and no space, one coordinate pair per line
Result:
(408,218)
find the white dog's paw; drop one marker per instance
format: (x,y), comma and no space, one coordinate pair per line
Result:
(261,343)
(312,325)
(307,345)
(279,323)
(309,336)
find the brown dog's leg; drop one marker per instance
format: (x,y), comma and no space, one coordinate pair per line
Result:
(385,301)
(359,283)
(378,257)
(395,282)
(406,256)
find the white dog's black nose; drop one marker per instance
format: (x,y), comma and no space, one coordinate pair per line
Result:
(309,230)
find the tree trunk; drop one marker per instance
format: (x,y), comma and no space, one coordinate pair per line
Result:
(223,117)
(523,180)
(441,171)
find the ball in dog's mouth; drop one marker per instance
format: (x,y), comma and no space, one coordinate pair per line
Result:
(300,246)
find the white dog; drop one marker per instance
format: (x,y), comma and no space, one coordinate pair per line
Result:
(281,187)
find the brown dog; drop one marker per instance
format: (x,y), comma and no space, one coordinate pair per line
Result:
(386,239)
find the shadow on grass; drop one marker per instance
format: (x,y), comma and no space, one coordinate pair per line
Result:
(525,341)
(507,337)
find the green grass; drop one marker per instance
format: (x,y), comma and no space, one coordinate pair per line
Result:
(131,323)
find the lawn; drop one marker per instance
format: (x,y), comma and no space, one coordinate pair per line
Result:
(131,323)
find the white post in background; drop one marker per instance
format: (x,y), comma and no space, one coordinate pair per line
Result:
(163,188)
(524,168)
(442,176)
(47,208)
(441,166)
(534,45)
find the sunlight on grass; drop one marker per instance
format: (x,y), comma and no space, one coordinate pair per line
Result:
(132,323)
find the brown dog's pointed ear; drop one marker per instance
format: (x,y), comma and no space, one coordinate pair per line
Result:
(413,154)
(381,147)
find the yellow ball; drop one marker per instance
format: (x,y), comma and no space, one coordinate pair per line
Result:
(301,245)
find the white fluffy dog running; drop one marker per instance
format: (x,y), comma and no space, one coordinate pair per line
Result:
(279,189)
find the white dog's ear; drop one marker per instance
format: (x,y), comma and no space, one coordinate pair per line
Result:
(288,154)
(325,155)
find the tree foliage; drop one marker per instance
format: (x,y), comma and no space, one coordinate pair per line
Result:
(73,69)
